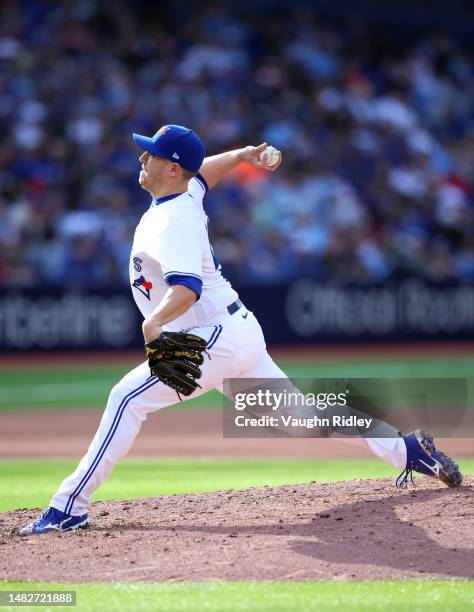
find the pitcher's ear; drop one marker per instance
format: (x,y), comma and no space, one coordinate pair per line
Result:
(172,170)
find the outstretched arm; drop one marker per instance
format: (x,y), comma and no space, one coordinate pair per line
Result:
(214,168)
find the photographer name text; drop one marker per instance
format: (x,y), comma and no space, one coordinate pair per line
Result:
(306,422)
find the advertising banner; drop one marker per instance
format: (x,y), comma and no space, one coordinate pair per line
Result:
(303,313)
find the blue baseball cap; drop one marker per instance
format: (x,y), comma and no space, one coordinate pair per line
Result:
(176,143)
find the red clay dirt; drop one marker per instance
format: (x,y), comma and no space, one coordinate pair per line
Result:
(321,351)
(168,433)
(355,530)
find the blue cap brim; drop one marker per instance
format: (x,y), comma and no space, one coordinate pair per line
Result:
(144,142)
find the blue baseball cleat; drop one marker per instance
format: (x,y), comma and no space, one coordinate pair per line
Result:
(54,520)
(423,457)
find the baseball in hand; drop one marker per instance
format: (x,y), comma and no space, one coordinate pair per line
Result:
(269,157)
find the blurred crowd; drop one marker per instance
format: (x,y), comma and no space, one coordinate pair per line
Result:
(377,138)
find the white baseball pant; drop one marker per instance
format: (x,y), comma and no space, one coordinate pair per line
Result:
(237,349)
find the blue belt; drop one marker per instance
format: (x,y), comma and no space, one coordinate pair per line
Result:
(234,307)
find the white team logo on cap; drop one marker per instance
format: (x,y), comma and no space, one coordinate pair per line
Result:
(175,155)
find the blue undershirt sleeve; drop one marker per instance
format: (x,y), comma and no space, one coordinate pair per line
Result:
(191,282)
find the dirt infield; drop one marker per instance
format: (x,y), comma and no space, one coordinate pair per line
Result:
(168,433)
(164,434)
(331,351)
(348,530)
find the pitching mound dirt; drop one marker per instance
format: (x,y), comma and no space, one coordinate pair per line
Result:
(349,530)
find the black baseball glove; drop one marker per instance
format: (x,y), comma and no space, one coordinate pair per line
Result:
(175,357)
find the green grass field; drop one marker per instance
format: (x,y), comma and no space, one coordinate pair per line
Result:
(29,483)
(403,596)
(87,386)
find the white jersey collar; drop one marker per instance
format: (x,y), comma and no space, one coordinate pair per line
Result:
(158,201)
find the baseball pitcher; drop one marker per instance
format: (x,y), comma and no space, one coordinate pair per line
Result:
(197,332)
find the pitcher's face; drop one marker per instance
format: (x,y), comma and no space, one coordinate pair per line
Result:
(155,170)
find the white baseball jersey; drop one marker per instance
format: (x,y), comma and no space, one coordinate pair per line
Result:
(171,246)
